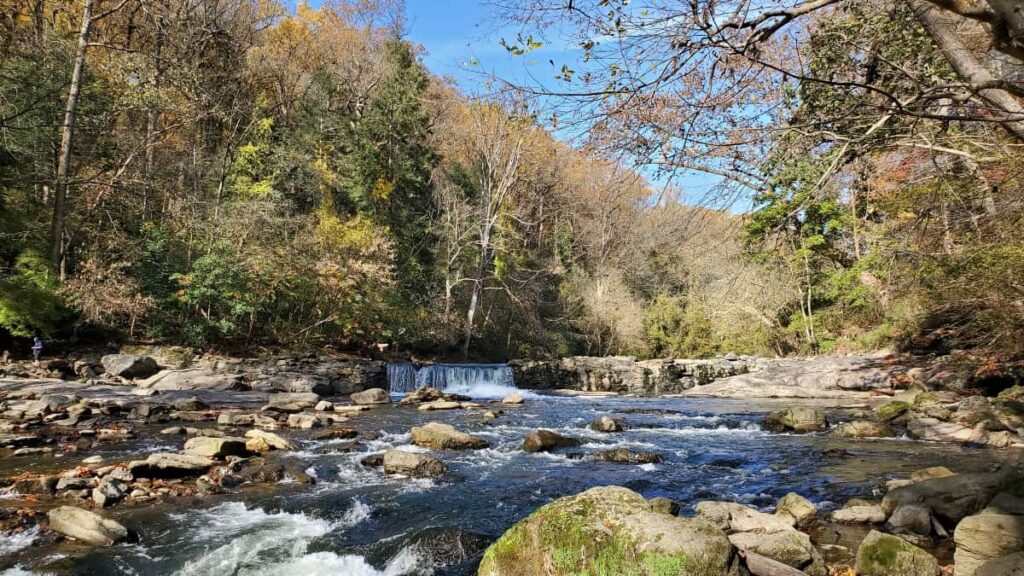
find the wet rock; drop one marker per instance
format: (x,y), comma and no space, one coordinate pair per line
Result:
(440,405)
(664,505)
(885,555)
(169,465)
(129,366)
(488,415)
(799,419)
(410,464)
(373,460)
(626,456)
(859,514)
(36,451)
(263,441)
(371,397)
(912,517)
(19,440)
(444,547)
(797,509)
(733,518)
(1011,565)
(350,410)
(437,436)
(608,530)
(264,422)
(303,421)
(863,429)
(236,419)
(986,536)
(75,483)
(86,526)
(427,394)
(190,403)
(324,406)
(218,448)
(44,484)
(252,471)
(929,473)
(546,441)
(513,399)
(606,424)
(335,434)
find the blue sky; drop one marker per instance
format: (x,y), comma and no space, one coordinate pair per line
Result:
(461,40)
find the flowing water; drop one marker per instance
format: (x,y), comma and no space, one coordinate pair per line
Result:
(477,380)
(357,521)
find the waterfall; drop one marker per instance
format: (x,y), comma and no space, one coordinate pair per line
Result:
(401,378)
(475,380)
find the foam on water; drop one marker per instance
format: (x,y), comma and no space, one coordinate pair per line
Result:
(11,542)
(258,540)
(473,380)
(406,563)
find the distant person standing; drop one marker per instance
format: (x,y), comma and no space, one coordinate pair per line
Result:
(37,349)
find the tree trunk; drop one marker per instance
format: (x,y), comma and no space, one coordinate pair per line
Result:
(940,28)
(67,135)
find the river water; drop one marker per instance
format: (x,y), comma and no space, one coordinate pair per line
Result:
(356,521)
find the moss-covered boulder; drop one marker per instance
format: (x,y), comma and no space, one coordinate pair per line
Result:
(609,531)
(863,429)
(799,419)
(887,555)
(892,410)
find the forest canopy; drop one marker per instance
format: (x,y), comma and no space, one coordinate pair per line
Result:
(234,173)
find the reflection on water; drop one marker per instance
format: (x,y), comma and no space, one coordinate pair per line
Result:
(356,521)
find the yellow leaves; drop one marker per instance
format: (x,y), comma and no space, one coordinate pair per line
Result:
(382,190)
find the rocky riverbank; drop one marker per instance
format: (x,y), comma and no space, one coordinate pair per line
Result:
(79,440)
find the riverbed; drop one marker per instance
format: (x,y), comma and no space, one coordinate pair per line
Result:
(357,521)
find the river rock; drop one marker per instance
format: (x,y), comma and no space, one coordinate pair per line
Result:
(732,518)
(799,419)
(410,464)
(108,492)
(892,410)
(626,456)
(193,379)
(169,465)
(886,555)
(664,505)
(951,498)
(129,366)
(863,429)
(236,419)
(986,536)
(266,441)
(912,517)
(1012,565)
(86,526)
(303,421)
(929,473)
(513,399)
(293,382)
(800,511)
(790,547)
(218,448)
(371,396)
(437,436)
(189,404)
(546,441)
(936,430)
(609,530)
(606,424)
(324,406)
(859,514)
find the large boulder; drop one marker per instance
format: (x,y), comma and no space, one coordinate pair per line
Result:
(796,509)
(437,436)
(790,547)
(1012,565)
(170,465)
(860,513)
(263,441)
(129,365)
(863,429)
(371,396)
(411,464)
(800,419)
(886,555)
(986,536)
(935,430)
(952,498)
(546,441)
(732,518)
(86,526)
(194,379)
(609,530)
(211,447)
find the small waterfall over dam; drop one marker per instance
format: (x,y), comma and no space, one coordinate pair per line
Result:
(475,380)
